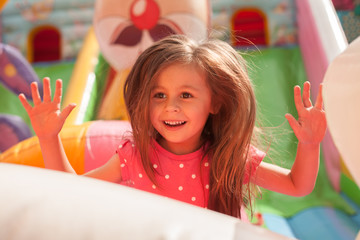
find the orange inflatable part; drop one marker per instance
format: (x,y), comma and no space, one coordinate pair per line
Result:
(2,3)
(28,152)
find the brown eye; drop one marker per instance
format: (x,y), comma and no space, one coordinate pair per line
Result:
(159,95)
(186,95)
(129,36)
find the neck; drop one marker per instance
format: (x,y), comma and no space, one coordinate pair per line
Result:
(180,148)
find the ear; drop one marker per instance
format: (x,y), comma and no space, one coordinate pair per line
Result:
(215,108)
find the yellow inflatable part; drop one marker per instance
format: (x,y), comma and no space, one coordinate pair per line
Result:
(113,105)
(345,170)
(82,79)
(28,152)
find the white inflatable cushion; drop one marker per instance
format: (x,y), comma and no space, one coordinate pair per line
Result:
(41,204)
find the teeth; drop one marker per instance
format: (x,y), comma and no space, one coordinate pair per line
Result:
(174,123)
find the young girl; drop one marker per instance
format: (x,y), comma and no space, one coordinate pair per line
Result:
(192,111)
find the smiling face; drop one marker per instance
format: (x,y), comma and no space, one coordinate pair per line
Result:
(179,107)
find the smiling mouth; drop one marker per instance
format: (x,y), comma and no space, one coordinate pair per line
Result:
(174,123)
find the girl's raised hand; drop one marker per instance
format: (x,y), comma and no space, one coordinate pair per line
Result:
(45,116)
(311,125)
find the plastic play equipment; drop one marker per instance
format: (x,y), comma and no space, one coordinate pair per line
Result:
(46,30)
(336,216)
(16,74)
(124,32)
(88,145)
(341,96)
(291,216)
(2,3)
(64,206)
(13,130)
(325,214)
(84,85)
(319,25)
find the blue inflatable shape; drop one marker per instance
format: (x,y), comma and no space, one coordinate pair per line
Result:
(16,73)
(12,130)
(278,224)
(356,216)
(323,223)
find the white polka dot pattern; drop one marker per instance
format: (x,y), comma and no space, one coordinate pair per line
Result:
(176,176)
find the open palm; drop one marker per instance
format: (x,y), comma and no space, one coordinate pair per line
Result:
(311,124)
(46,117)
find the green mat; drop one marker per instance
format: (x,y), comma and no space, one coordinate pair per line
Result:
(275,72)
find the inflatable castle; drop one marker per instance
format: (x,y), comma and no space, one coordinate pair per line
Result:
(286,43)
(47,30)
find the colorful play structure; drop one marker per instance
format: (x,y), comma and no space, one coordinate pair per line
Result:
(286,42)
(47,30)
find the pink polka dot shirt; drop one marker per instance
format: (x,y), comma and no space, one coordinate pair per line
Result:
(181,177)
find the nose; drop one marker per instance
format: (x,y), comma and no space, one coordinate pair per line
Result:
(144,14)
(172,105)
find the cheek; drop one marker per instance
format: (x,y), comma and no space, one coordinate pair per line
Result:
(201,112)
(208,107)
(154,113)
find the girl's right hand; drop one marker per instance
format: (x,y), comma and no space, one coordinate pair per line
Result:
(46,118)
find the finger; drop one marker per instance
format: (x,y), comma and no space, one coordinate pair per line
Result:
(319,99)
(67,110)
(58,91)
(25,103)
(306,95)
(297,98)
(294,124)
(35,93)
(47,90)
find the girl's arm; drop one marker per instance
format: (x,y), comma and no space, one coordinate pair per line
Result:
(309,129)
(110,171)
(47,121)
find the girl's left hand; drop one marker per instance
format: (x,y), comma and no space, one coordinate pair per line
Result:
(311,125)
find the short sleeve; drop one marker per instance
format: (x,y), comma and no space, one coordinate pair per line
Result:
(252,163)
(125,152)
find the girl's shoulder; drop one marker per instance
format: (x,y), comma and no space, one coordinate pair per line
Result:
(254,159)
(128,157)
(256,154)
(125,147)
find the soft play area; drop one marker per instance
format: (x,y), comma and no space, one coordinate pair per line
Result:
(91,45)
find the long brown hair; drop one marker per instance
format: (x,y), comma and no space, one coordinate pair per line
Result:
(229,131)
